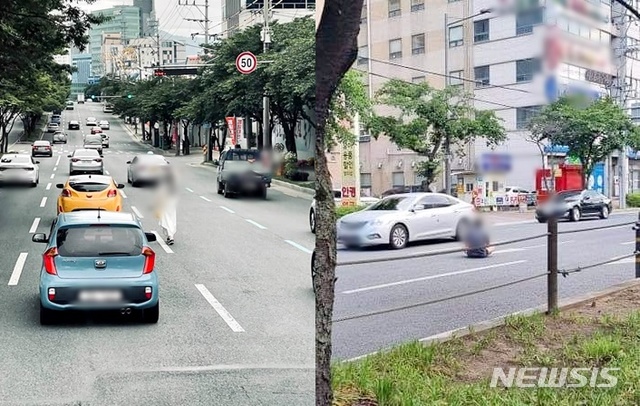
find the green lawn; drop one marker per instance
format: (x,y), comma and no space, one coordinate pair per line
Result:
(458,372)
(308,184)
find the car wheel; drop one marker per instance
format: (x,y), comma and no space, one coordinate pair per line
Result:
(604,212)
(312,221)
(220,188)
(47,316)
(226,193)
(575,214)
(152,314)
(541,220)
(263,192)
(461,229)
(398,237)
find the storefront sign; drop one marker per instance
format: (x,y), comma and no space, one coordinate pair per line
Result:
(600,78)
(240,132)
(231,126)
(351,170)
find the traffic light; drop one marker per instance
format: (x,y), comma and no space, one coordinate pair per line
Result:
(129,96)
(159,72)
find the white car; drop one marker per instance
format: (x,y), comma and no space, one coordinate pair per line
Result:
(337,196)
(53,127)
(105,140)
(399,219)
(104,124)
(19,169)
(92,122)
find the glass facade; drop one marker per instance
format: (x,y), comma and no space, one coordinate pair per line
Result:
(125,21)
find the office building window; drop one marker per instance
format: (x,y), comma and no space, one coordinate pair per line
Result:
(525,114)
(635,113)
(482,76)
(526,20)
(398,179)
(526,68)
(417,79)
(363,55)
(481,30)
(395,48)
(417,44)
(394,8)
(417,5)
(455,78)
(365,180)
(456,36)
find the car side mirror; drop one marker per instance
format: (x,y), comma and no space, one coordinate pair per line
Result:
(60,185)
(128,162)
(68,156)
(151,237)
(418,207)
(120,186)
(37,162)
(40,237)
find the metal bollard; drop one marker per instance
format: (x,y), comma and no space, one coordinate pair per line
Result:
(637,229)
(552,265)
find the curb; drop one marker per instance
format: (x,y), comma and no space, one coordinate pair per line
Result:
(565,304)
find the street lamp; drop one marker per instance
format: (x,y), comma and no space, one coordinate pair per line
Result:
(447,142)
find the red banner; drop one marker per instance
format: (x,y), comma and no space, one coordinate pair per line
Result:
(231,125)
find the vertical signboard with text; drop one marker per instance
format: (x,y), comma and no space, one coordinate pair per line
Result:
(240,137)
(231,126)
(351,170)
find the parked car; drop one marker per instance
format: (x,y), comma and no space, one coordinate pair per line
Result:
(60,136)
(241,170)
(19,169)
(104,124)
(85,161)
(98,260)
(399,219)
(91,121)
(574,205)
(74,125)
(53,127)
(337,198)
(41,148)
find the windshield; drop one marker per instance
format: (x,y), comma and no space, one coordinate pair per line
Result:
(567,195)
(88,186)
(99,240)
(243,156)
(392,203)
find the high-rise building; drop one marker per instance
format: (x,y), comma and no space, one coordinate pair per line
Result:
(146,11)
(239,14)
(82,72)
(125,21)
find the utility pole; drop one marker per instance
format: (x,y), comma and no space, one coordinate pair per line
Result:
(204,21)
(621,23)
(266,42)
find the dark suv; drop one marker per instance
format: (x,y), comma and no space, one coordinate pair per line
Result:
(575,204)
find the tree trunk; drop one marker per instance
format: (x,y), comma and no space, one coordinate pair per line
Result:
(336,49)
(259,142)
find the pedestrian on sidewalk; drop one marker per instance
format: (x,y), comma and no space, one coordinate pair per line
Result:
(168,204)
(477,243)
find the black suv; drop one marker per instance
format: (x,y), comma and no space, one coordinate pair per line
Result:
(575,204)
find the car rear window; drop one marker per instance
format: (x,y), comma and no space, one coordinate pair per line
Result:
(99,240)
(87,153)
(243,155)
(93,140)
(41,143)
(88,186)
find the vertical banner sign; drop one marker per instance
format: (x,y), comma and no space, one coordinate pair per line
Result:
(231,125)
(240,132)
(351,170)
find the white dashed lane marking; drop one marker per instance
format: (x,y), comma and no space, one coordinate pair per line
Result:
(48,186)
(137,212)
(163,244)
(34,226)
(260,226)
(298,246)
(205,199)
(227,209)
(189,190)
(226,316)
(17,269)
(43,202)
(53,175)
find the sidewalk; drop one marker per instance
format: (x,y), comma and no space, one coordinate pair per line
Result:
(138,138)
(497,218)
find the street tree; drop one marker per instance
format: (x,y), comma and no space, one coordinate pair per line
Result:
(428,118)
(336,51)
(590,129)
(350,99)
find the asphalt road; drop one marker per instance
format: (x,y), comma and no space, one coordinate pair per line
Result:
(237,315)
(366,288)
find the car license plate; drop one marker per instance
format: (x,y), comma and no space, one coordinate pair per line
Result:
(100,296)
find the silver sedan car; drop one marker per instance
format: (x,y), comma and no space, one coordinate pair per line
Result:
(60,136)
(399,219)
(19,169)
(85,161)
(146,169)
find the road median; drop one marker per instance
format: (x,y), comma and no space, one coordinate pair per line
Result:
(588,350)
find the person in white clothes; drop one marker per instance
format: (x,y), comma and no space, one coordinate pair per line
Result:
(167,211)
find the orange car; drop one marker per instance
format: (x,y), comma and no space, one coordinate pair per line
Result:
(96,130)
(85,192)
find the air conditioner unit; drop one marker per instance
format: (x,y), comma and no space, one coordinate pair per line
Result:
(379,165)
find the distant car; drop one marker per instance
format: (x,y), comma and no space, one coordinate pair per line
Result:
(513,194)
(104,124)
(85,161)
(84,192)
(56,118)
(53,127)
(107,108)
(98,260)
(337,198)
(74,125)
(399,219)
(105,140)
(96,130)
(91,121)
(146,169)
(574,205)
(41,148)
(93,141)
(60,137)
(241,170)
(69,105)
(19,169)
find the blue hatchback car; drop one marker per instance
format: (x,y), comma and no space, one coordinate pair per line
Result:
(98,260)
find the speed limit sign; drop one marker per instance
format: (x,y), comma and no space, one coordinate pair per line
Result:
(246,63)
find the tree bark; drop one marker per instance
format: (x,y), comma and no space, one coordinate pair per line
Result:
(336,50)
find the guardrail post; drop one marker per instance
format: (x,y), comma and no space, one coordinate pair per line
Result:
(552,265)
(637,228)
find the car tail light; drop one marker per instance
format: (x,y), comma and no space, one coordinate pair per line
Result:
(75,160)
(149,261)
(98,159)
(66,193)
(49,258)
(51,293)
(148,292)
(112,193)
(48,147)
(34,147)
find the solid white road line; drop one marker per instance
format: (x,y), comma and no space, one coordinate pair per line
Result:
(17,269)
(227,209)
(298,246)
(48,186)
(204,198)
(509,250)
(426,278)
(627,243)
(53,175)
(43,202)
(136,212)
(189,190)
(163,244)
(58,160)
(260,226)
(513,223)
(124,196)
(34,226)
(226,316)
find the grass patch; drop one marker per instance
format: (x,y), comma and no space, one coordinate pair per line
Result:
(309,184)
(342,211)
(458,372)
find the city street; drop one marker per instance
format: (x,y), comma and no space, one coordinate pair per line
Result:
(379,286)
(237,309)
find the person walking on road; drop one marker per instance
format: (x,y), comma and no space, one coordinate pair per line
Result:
(167,211)
(477,241)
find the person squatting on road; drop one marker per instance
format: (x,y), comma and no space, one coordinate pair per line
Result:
(477,241)
(166,211)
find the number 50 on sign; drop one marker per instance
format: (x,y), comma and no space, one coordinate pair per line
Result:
(246,63)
